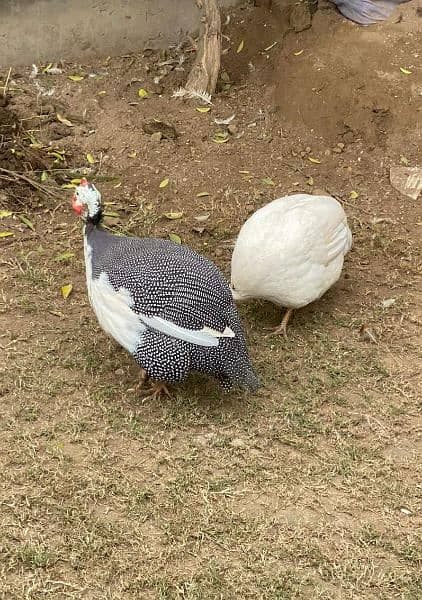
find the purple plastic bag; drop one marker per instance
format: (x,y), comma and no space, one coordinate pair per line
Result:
(367,12)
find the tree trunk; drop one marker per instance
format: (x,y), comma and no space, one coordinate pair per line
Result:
(204,73)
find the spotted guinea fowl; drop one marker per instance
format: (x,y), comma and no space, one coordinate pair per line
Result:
(165,304)
(290,252)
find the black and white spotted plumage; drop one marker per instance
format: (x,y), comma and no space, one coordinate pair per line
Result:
(171,281)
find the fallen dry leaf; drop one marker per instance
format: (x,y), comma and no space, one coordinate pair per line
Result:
(240,47)
(66,290)
(175,238)
(164,183)
(64,120)
(27,222)
(173,215)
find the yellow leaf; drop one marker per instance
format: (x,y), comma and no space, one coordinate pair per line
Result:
(353,195)
(75,77)
(164,183)
(240,47)
(90,159)
(314,160)
(45,70)
(102,93)
(64,120)
(132,154)
(5,213)
(142,93)
(175,238)
(405,71)
(267,181)
(202,194)
(173,215)
(203,109)
(44,176)
(66,290)
(298,53)
(4,234)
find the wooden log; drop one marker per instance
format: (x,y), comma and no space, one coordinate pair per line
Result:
(204,73)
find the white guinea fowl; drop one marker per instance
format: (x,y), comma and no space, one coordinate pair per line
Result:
(290,252)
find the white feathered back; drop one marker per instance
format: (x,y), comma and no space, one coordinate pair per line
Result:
(291,250)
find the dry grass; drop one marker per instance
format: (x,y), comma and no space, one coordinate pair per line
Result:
(310,489)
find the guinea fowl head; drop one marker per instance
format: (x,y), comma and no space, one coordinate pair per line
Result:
(86,201)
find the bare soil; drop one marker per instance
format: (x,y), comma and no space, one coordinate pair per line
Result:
(312,487)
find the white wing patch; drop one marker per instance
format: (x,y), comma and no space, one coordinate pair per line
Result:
(200,337)
(227,333)
(115,315)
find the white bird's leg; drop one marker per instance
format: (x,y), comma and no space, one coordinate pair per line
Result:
(282,328)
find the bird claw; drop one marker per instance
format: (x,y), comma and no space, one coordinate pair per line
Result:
(155,391)
(280,330)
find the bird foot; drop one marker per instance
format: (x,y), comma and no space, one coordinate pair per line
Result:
(282,328)
(157,389)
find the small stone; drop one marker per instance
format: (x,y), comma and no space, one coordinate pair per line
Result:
(58,131)
(167,130)
(47,109)
(157,136)
(340,145)
(300,17)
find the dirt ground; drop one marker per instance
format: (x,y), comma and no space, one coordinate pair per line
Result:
(312,487)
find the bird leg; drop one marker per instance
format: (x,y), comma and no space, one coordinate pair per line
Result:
(157,388)
(282,328)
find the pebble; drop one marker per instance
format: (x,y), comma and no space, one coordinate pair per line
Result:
(157,136)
